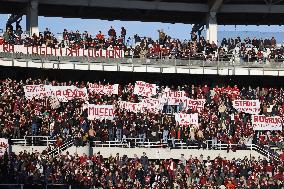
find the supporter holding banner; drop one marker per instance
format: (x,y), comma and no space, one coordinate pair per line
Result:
(35,91)
(247,106)
(187,119)
(65,93)
(261,122)
(142,88)
(4,145)
(103,89)
(100,112)
(130,106)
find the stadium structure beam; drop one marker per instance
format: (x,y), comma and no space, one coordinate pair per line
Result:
(32,18)
(239,8)
(215,5)
(211,21)
(133,4)
(211,27)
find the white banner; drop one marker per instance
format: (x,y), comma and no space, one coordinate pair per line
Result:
(173,97)
(247,106)
(187,119)
(65,93)
(192,104)
(145,89)
(35,91)
(4,145)
(130,106)
(261,122)
(174,94)
(54,102)
(153,105)
(100,112)
(58,51)
(103,89)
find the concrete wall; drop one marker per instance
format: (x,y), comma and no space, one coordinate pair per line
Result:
(152,153)
(155,153)
(150,68)
(30,149)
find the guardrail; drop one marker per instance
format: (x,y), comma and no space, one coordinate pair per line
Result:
(68,143)
(179,144)
(190,66)
(34,141)
(142,143)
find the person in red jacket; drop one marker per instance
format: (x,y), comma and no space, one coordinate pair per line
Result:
(282,156)
(230,185)
(171,168)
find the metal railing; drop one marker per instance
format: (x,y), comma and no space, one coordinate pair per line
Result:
(142,143)
(219,64)
(179,144)
(57,150)
(34,141)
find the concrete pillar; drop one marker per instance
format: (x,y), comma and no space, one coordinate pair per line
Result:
(32,18)
(211,27)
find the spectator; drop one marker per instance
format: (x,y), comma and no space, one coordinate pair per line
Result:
(123,33)
(144,161)
(112,33)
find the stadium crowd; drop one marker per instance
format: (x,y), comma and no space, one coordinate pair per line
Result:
(218,121)
(165,47)
(122,172)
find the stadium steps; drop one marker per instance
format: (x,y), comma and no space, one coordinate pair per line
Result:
(67,144)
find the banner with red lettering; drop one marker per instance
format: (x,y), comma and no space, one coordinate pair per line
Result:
(232,92)
(58,51)
(4,145)
(130,106)
(100,112)
(261,122)
(103,89)
(247,106)
(35,91)
(65,93)
(173,97)
(145,89)
(192,104)
(153,105)
(187,119)
(174,94)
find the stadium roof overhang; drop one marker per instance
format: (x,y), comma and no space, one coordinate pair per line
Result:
(229,12)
